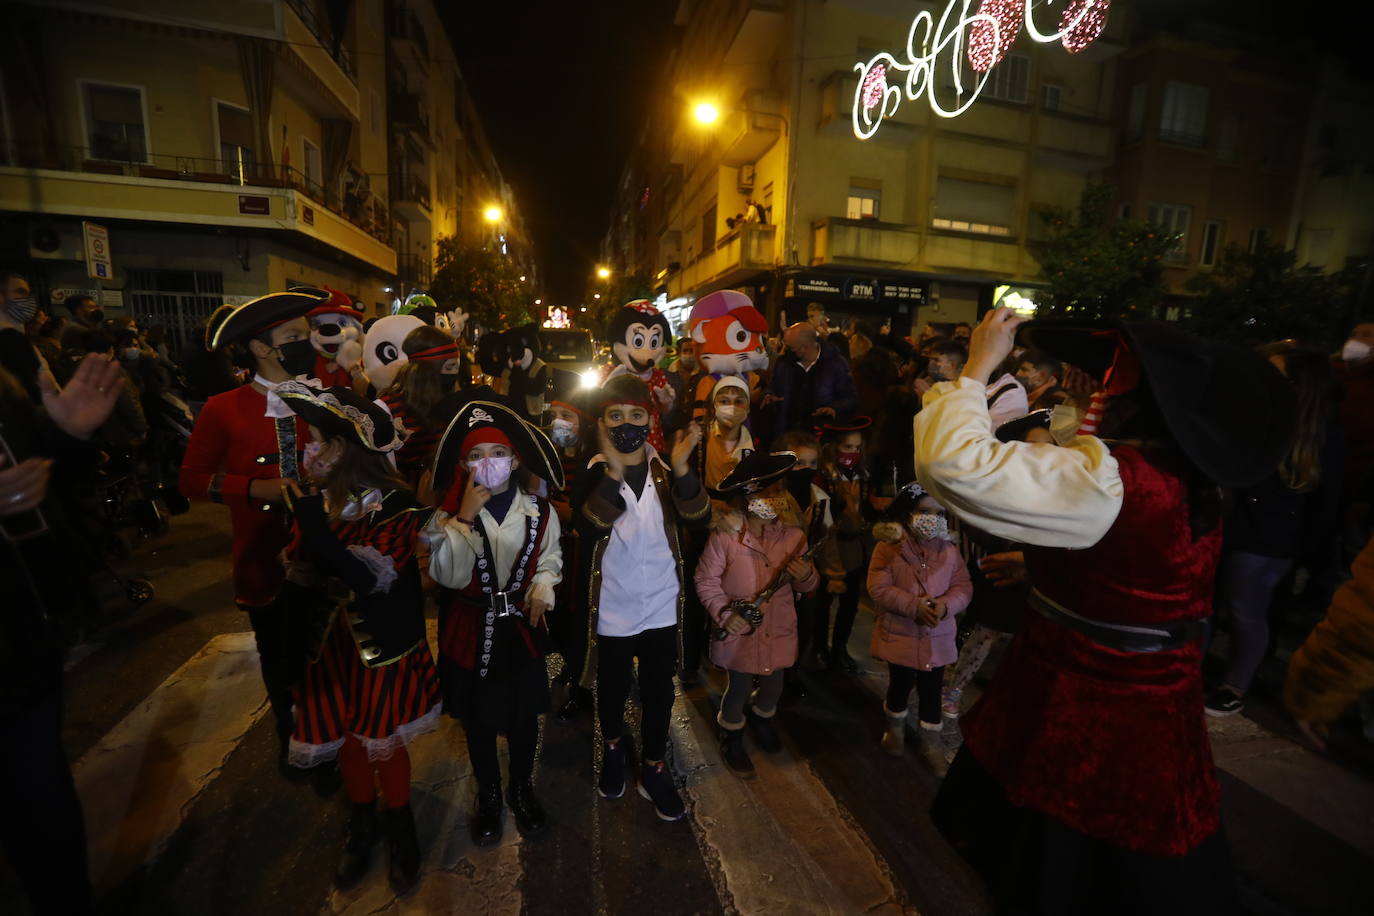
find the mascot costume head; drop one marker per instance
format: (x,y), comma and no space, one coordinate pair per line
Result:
(639,336)
(729,333)
(382,353)
(336,333)
(529,377)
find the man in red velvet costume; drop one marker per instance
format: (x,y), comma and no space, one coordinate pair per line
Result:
(1086,783)
(245,446)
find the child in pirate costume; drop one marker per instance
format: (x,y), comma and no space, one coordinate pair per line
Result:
(371,686)
(499,559)
(844,475)
(245,447)
(754,543)
(627,508)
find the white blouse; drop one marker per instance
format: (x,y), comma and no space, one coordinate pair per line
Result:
(1032,493)
(454,548)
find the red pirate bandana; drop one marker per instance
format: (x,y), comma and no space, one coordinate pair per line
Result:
(441,353)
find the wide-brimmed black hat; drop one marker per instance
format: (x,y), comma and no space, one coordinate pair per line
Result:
(1230,411)
(266,312)
(212,325)
(339,412)
(538,455)
(1015,430)
(755,471)
(843,425)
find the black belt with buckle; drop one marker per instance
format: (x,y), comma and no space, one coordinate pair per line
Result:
(506,604)
(1159,637)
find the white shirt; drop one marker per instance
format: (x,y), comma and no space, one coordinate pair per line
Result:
(1011,405)
(1032,493)
(276,407)
(639,585)
(454,548)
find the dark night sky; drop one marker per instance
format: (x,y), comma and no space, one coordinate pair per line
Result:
(561,88)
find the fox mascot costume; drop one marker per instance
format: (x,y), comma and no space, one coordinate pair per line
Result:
(729,334)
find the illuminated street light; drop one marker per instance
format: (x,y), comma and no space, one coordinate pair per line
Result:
(492,214)
(522,279)
(539,302)
(596,295)
(706,113)
(584,308)
(604,273)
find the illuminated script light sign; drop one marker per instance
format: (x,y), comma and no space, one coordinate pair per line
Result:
(942,47)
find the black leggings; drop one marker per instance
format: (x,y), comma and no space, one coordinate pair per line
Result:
(900,680)
(844,614)
(522,739)
(657,654)
(280,654)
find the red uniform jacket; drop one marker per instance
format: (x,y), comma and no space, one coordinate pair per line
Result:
(232,445)
(1114,744)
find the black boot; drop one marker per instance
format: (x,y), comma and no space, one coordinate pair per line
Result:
(485,828)
(405,849)
(529,814)
(291,773)
(764,732)
(732,749)
(326,778)
(792,681)
(579,700)
(357,855)
(842,661)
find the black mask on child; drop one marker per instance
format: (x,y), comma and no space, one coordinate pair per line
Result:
(628,436)
(297,357)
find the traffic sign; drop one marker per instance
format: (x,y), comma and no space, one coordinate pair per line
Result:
(98,263)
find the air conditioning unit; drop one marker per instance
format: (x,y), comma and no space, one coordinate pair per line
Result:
(56,241)
(745,181)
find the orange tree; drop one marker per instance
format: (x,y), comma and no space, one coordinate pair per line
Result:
(483,282)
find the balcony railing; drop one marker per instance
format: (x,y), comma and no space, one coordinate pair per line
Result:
(324,35)
(864,241)
(405,25)
(741,252)
(413,270)
(358,205)
(409,187)
(408,112)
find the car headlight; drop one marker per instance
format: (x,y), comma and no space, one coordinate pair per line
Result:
(591,378)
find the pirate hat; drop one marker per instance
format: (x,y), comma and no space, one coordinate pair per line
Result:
(217,318)
(1017,429)
(1230,411)
(755,471)
(892,520)
(492,421)
(266,312)
(828,432)
(338,412)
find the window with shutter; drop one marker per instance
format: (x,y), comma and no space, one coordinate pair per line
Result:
(1183,117)
(1173,218)
(114,123)
(236,142)
(974,206)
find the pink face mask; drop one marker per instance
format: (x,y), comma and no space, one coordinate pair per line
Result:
(492,473)
(315,467)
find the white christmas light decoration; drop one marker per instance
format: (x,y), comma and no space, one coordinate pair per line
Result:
(989,42)
(937,48)
(1082,22)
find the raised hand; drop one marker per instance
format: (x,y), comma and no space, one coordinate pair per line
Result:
(684,443)
(85,403)
(475,496)
(991,343)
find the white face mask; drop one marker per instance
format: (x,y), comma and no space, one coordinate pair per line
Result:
(492,473)
(562,433)
(928,525)
(730,413)
(1355,351)
(765,509)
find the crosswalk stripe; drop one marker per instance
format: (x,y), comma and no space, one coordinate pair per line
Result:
(782,843)
(139,781)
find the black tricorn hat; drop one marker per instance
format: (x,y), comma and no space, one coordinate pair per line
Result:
(340,412)
(266,312)
(755,471)
(217,318)
(1230,411)
(538,455)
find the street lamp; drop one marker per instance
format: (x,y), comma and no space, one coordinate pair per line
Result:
(603,273)
(706,113)
(492,214)
(596,295)
(539,302)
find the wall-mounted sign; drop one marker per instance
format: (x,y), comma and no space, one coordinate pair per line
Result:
(308,215)
(901,292)
(857,290)
(949,59)
(98,263)
(255,205)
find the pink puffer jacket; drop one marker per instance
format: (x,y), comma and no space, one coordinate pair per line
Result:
(901,576)
(738,565)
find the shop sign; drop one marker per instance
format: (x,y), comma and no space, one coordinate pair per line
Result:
(255,205)
(861,290)
(901,292)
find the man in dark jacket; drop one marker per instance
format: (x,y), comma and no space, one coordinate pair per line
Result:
(811,382)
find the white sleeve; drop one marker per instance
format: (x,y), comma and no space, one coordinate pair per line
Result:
(1037,494)
(453,551)
(548,571)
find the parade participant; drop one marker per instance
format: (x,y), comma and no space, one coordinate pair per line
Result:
(1086,782)
(750,547)
(918,583)
(423,398)
(370,687)
(245,447)
(639,336)
(498,555)
(336,333)
(41,825)
(528,376)
(727,332)
(627,508)
(383,353)
(844,472)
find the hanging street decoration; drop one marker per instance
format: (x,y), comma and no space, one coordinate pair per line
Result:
(937,50)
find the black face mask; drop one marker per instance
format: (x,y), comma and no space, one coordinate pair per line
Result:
(799,485)
(628,436)
(297,357)
(96,316)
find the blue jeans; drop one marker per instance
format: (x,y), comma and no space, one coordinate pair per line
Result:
(1247,583)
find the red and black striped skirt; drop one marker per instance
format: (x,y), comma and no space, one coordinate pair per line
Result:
(385,708)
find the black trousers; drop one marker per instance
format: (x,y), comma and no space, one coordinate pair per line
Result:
(845,614)
(900,680)
(522,740)
(281,655)
(694,633)
(657,653)
(41,826)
